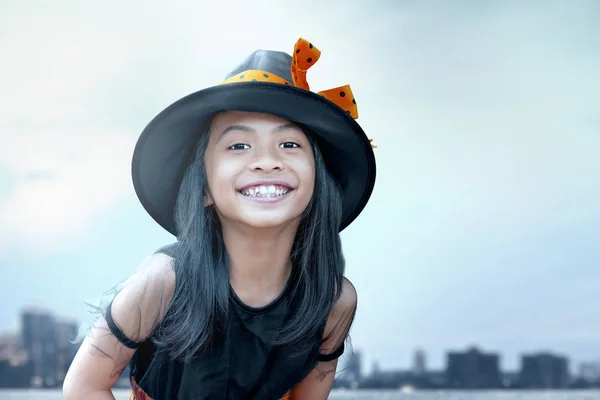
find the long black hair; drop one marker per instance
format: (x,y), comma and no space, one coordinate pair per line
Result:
(198,310)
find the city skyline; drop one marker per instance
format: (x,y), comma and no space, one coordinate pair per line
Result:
(483,224)
(39,356)
(417,362)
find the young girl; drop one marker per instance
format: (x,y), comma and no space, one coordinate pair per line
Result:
(256,177)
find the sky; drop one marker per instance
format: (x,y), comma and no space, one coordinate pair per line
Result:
(484,225)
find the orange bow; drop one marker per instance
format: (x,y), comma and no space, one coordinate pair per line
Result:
(305,56)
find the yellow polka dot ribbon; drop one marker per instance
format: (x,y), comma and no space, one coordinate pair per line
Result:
(305,55)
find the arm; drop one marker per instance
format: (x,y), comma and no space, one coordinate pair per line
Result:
(317,384)
(135,310)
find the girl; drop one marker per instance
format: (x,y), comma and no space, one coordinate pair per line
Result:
(255,177)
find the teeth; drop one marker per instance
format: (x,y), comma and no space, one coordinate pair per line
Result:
(264,191)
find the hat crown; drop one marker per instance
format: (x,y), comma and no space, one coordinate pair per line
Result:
(276,62)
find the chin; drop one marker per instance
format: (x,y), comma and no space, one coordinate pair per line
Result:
(263,216)
(269,223)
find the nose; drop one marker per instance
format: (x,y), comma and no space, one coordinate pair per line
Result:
(266,159)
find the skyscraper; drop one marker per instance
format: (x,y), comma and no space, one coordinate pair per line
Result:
(473,370)
(590,371)
(419,363)
(39,341)
(544,371)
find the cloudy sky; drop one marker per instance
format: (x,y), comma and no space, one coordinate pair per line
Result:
(484,226)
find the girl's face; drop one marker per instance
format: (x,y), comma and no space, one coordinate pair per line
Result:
(260,169)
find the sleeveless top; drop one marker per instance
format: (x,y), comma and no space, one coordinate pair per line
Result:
(241,364)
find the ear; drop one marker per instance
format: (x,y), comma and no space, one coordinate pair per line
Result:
(208,201)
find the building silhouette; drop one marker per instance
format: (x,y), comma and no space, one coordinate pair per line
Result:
(39,341)
(375,369)
(472,370)
(419,366)
(544,371)
(46,342)
(41,354)
(590,371)
(14,370)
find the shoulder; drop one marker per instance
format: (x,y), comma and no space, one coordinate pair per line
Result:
(170,249)
(156,272)
(348,296)
(346,303)
(143,299)
(340,317)
(157,264)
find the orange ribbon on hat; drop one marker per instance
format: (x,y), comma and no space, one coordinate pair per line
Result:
(305,56)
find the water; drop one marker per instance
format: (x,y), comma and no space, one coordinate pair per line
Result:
(367,395)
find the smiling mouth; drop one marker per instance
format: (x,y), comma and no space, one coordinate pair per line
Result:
(266,191)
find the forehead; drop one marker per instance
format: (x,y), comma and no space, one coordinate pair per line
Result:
(257,121)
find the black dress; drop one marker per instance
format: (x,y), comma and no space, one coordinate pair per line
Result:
(242,364)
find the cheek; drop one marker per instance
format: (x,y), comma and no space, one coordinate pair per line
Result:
(221,175)
(306,173)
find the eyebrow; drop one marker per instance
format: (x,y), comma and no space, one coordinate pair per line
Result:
(245,128)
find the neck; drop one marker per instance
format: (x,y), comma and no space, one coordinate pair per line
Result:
(259,260)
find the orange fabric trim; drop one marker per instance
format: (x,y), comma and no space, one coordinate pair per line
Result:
(136,392)
(255,75)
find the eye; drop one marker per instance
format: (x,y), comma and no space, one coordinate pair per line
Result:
(238,146)
(289,145)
